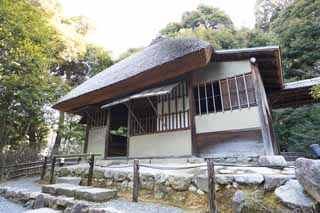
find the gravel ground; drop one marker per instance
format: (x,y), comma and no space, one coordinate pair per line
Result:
(9,207)
(126,207)
(25,184)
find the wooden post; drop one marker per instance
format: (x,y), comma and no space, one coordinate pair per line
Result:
(211,186)
(90,175)
(192,121)
(107,137)
(44,168)
(53,163)
(86,141)
(135,193)
(262,108)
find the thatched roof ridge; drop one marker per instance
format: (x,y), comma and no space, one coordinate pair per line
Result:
(159,53)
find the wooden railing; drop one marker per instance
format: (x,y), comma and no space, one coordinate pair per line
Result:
(165,122)
(55,159)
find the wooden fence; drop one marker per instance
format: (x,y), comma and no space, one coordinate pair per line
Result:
(21,169)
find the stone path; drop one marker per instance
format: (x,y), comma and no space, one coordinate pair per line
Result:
(116,206)
(129,207)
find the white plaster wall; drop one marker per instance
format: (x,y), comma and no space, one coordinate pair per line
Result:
(247,118)
(96,141)
(167,144)
(220,70)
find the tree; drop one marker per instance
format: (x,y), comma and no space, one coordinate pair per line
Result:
(129,52)
(298,30)
(268,10)
(27,87)
(204,16)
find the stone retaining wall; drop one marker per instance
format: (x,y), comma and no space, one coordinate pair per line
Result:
(167,185)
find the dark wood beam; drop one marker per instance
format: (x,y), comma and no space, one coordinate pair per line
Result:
(192,113)
(107,134)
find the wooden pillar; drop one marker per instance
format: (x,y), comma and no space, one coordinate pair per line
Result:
(53,164)
(44,168)
(107,137)
(90,175)
(136,182)
(262,108)
(86,140)
(129,129)
(211,186)
(192,122)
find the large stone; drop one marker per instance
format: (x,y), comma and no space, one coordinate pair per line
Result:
(201,181)
(95,194)
(120,176)
(291,194)
(147,181)
(308,175)
(39,202)
(69,180)
(98,173)
(275,161)
(273,181)
(249,179)
(180,182)
(79,207)
(224,179)
(238,202)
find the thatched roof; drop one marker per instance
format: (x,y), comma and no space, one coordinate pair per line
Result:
(162,56)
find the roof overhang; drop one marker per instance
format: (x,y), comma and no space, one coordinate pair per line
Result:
(144,94)
(294,94)
(268,59)
(161,62)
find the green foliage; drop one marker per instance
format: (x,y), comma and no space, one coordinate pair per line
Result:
(129,52)
(25,81)
(266,11)
(204,16)
(96,59)
(298,128)
(42,55)
(316,92)
(298,30)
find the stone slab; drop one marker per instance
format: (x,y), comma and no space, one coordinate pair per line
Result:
(249,179)
(43,210)
(69,180)
(61,189)
(95,194)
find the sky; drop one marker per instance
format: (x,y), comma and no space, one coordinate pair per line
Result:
(123,24)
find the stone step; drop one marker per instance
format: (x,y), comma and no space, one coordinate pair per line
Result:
(69,180)
(61,189)
(96,194)
(43,210)
(80,192)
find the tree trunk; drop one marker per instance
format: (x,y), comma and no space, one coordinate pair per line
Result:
(58,139)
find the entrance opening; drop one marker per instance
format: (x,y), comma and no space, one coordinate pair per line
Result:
(118,131)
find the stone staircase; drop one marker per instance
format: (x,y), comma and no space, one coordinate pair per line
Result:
(86,193)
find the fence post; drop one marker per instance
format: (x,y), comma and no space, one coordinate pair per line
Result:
(44,168)
(135,192)
(211,186)
(91,163)
(53,163)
